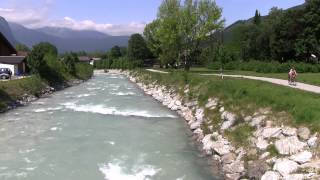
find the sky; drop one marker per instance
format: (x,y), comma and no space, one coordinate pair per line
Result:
(116,17)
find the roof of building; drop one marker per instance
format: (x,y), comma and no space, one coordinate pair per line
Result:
(84,58)
(96,59)
(23,53)
(4,39)
(12,59)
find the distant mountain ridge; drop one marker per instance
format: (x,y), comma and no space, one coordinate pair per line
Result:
(63,38)
(69,33)
(6,31)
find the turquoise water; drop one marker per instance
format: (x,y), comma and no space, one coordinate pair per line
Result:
(105,128)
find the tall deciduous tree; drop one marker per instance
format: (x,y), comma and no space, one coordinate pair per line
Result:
(36,59)
(137,48)
(115,52)
(180,28)
(308,42)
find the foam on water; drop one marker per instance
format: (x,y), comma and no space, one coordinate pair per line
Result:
(84,95)
(26,151)
(124,93)
(116,172)
(92,88)
(101,109)
(40,110)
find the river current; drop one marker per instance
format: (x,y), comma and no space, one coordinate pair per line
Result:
(103,129)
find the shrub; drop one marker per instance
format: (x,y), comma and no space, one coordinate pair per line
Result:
(83,70)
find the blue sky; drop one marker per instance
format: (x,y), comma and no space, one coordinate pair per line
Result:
(116,17)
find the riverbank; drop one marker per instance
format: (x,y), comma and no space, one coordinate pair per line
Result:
(21,92)
(248,143)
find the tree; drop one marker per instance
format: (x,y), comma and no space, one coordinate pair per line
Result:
(308,41)
(152,39)
(167,32)
(36,58)
(137,48)
(257,18)
(177,33)
(285,35)
(22,47)
(115,52)
(70,60)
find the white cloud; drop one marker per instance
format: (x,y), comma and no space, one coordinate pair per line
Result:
(5,10)
(113,29)
(39,17)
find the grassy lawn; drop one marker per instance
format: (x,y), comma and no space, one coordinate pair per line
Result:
(309,78)
(13,89)
(246,96)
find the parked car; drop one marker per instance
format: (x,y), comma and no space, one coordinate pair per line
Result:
(5,73)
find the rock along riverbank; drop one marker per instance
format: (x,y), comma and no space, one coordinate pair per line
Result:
(274,152)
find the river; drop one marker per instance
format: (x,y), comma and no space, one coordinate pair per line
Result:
(105,128)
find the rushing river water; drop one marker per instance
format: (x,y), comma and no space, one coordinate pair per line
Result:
(105,128)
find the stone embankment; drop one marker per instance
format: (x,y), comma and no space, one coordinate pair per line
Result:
(273,152)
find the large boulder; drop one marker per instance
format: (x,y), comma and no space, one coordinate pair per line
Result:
(195,125)
(302,157)
(262,144)
(222,146)
(303,133)
(212,104)
(271,175)
(257,169)
(229,120)
(257,121)
(271,132)
(313,141)
(285,166)
(288,131)
(228,116)
(207,144)
(235,167)
(290,145)
(294,177)
(199,114)
(228,158)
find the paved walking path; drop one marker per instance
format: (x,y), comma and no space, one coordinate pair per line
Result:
(301,86)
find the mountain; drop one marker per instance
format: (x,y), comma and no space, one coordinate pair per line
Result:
(63,38)
(6,31)
(72,34)
(66,39)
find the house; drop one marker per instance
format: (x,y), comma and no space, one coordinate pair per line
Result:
(9,58)
(86,59)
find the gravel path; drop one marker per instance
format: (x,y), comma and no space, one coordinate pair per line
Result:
(301,86)
(157,71)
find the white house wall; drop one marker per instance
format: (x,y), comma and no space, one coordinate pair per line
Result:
(13,68)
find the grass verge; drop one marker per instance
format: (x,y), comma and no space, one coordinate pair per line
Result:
(241,95)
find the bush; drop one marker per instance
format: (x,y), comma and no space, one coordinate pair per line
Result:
(84,71)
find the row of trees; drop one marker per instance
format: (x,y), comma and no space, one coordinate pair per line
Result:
(137,54)
(44,60)
(283,35)
(176,36)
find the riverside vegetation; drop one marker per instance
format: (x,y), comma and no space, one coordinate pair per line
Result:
(49,72)
(255,129)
